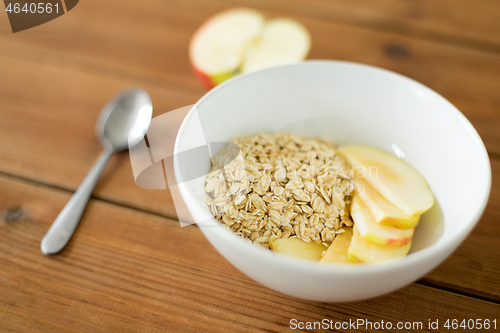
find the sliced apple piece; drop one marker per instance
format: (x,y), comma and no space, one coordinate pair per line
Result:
(296,247)
(282,42)
(382,211)
(392,177)
(374,232)
(363,251)
(240,40)
(337,251)
(217,48)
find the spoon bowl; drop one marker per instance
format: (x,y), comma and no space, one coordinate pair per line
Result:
(124,119)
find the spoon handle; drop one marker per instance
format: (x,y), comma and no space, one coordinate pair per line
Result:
(65,224)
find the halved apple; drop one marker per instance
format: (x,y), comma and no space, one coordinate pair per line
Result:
(374,232)
(240,40)
(392,177)
(382,211)
(363,251)
(337,251)
(296,247)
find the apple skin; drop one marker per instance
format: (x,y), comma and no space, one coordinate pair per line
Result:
(210,81)
(401,223)
(389,241)
(374,232)
(204,78)
(353,259)
(382,211)
(361,250)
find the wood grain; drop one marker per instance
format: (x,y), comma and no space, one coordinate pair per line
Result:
(48,131)
(49,136)
(478,255)
(471,23)
(152,47)
(126,269)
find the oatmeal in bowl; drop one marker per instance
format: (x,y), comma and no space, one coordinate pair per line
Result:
(293,194)
(281,186)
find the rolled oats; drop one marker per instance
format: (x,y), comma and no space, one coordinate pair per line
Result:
(280,186)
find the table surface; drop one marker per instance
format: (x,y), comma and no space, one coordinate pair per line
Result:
(129,266)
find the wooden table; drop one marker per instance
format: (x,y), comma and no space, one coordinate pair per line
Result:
(130,267)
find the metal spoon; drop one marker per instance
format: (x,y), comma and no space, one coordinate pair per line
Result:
(123,122)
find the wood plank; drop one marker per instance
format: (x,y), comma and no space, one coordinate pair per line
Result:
(457,21)
(79,85)
(474,23)
(12,322)
(47,129)
(123,37)
(126,270)
(127,278)
(469,79)
(152,45)
(478,255)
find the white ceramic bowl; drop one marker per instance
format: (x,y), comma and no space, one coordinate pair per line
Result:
(346,103)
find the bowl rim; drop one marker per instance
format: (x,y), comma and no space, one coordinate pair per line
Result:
(342,269)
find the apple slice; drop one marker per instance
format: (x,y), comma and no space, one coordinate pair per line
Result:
(240,40)
(217,48)
(282,42)
(382,211)
(374,232)
(392,177)
(296,247)
(337,251)
(361,250)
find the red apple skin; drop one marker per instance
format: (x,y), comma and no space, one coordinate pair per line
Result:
(389,241)
(398,242)
(353,259)
(211,81)
(204,78)
(401,223)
